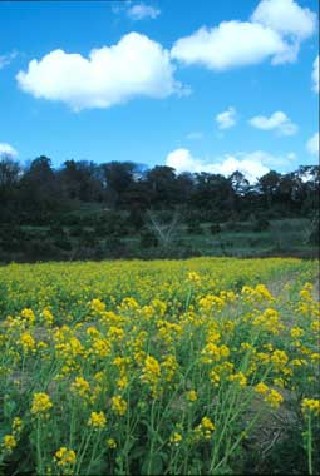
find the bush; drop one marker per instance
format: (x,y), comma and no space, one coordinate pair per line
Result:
(148,239)
(194,226)
(215,228)
(260,224)
(63,243)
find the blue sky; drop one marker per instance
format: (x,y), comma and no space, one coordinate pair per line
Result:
(200,86)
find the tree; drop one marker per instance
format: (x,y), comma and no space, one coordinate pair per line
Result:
(164,231)
(269,184)
(9,180)
(40,195)
(118,177)
(161,181)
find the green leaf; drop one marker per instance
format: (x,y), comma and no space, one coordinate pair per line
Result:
(152,467)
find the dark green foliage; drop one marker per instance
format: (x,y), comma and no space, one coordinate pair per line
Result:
(215,228)
(194,226)
(148,239)
(102,211)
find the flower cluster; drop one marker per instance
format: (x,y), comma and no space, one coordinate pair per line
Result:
(311,406)
(41,404)
(97,420)
(119,406)
(65,457)
(205,429)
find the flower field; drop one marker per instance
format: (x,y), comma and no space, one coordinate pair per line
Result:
(200,367)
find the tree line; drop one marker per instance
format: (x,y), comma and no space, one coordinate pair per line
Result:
(83,209)
(38,193)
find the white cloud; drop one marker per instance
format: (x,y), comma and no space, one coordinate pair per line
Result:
(291,156)
(6,150)
(275,31)
(312,144)
(315,75)
(252,165)
(141,11)
(5,60)
(195,135)
(278,121)
(135,66)
(285,17)
(227,118)
(229,45)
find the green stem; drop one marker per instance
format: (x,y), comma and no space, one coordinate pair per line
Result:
(39,457)
(235,445)
(309,446)
(82,453)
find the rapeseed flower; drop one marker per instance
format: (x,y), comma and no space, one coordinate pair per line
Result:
(64,457)
(9,443)
(41,404)
(119,406)
(97,420)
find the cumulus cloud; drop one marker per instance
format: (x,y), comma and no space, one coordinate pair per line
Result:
(6,150)
(227,118)
(312,144)
(141,11)
(253,165)
(278,121)
(229,45)
(315,75)
(135,66)
(286,17)
(274,31)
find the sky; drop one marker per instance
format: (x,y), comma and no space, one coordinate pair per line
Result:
(207,86)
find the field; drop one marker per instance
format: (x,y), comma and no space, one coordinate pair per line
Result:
(207,366)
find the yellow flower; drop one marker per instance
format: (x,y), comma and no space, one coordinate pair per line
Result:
(111,443)
(215,378)
(192,396)
(27,341)
(28,315)
(17,425)
(119,405)
(97,305)
(205,429)
(214,353)
(175,438)
(97,420)
(9,442)
(194,277)
(41,404)
(207,424)
(151,373)
(238,377)
(279,358)
(245,345)
(64,457)
(169,367)
(100,347)
(315,356)
(311,405)
(261,388)
(122,382)
(80,386)
(296,332)
(274,398)
(116,333)
(47,316)
(279,382)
